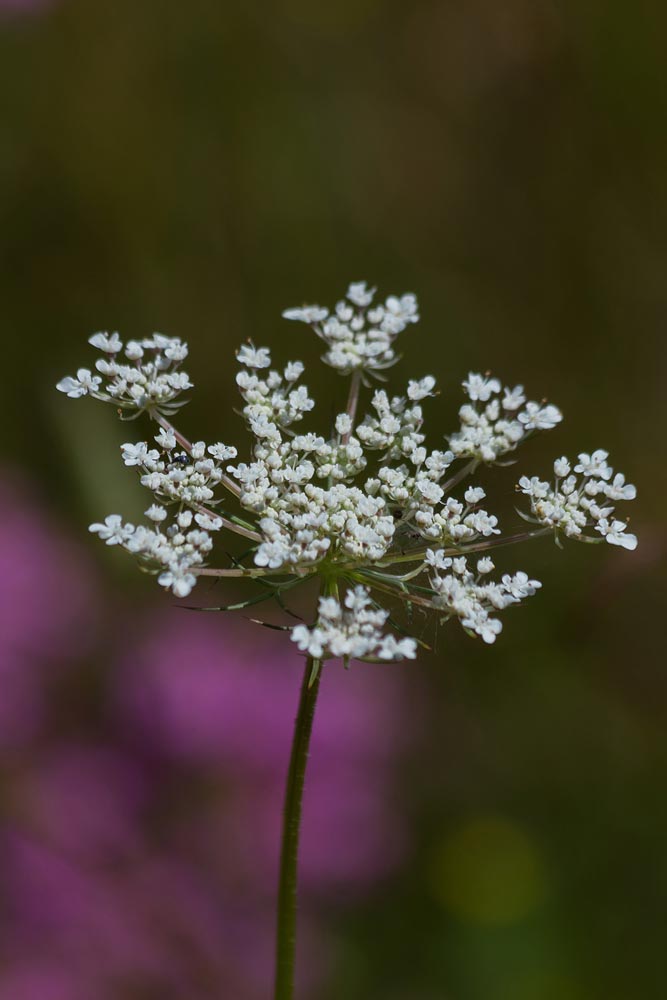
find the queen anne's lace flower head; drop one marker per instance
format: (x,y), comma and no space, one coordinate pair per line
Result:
(370,509)
(145,375)
(358,335)
(492,430)
(571,505)
(352,630)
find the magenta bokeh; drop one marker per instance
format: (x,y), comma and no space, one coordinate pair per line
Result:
(49,610)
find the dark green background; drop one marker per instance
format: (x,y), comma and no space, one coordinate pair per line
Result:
(195,168)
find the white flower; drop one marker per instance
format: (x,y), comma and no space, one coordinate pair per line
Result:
(223,452)
(253,357)
(430,492)
(614,533)
(533,487)
(391,648)
(513,398)
(166,440)
(176,351)
(139,454)
(156,513)
(519,586)
(487,628)
(306,314)
(485,565)
(343,423)
(562,467)
(619,489)
(479,388)
(293,371)
(84,383)
(178,381)
(358,293)
(133,350)
(421,389)
(113,531)
(178,580)
(594,465)
(540,418)
(209,522)
(399,312)
(482,523)
(357,599)
(474,494)
(109,344)
(437,559)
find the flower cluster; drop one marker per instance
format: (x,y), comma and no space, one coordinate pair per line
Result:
(572,504)
(368,506)
(185,481)
(178,549)
(497,427)
(463,594)
(359,335)
(179,476)
(352,631)
(140,375)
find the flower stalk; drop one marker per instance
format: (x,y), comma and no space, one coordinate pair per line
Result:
(286,926)
(352,404)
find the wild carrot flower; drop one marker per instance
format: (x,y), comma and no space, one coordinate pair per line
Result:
(355,507)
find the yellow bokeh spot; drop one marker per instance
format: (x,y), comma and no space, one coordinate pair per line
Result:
(489,871)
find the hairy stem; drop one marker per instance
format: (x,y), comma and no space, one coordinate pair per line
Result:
(238,529)
(250,573)
(418,555)
(287,889)
(393,591)
(467,470)
(352,402)
(497,543)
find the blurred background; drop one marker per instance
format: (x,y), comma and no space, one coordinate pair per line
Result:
(485,823)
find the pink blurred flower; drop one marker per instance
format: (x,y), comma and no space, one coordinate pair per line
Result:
(48,608)
(48,597)
(196,692)
(35,978)
(86,801)
(147,923)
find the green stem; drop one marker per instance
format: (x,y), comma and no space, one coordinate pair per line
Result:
(352,402)
(287,891)
(418,555)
